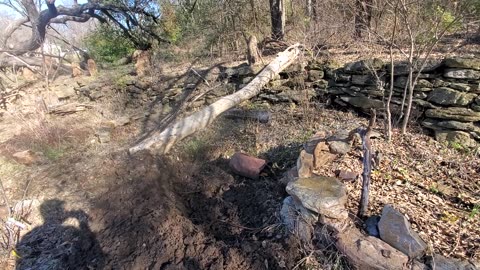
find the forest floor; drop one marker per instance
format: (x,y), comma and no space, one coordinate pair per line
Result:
(97,207)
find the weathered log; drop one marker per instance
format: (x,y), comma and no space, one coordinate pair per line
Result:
(164,140)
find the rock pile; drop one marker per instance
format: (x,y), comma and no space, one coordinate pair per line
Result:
(390,242)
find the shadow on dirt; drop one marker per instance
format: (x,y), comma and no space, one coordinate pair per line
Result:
(165,214)
(57,246)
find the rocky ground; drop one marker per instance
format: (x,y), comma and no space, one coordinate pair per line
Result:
(188,210)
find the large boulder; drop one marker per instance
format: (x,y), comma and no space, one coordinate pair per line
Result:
(323,195)
(447,96)
(454,113)
(458,62)
(395,230)
(442,263)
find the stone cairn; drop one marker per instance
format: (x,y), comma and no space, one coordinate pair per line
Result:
(390,242)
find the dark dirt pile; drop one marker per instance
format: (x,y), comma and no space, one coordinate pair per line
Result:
(165,215)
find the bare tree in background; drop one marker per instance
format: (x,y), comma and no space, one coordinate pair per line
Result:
(132,18)
(278,16)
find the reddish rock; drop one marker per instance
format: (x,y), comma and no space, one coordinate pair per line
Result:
(322,155)
(305,164)
(246,165)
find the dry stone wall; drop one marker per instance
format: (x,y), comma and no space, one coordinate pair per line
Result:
(446,97)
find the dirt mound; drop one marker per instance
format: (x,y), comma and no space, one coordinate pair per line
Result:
(160,217)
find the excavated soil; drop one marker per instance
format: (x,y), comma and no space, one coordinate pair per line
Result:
(159,217)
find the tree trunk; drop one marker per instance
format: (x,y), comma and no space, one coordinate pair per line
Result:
(312,9)
(363,16)
(253,55)
(277,13)
(164,140)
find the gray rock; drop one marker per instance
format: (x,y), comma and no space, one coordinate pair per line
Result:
(468,74)
(363,102)
(458,62)
(297,219)
(364,80)
(439,262)
(400,82)
(335,90)
(103,134)
(422,83)
(367,252)
(454,113)
(439,83)
(424,104)
(320,84)
(450,124)
(323,195)
(246,80)
(477,100)
(364,66)
(455,136)
(315,75)
(460,86)
(339,147)
(475,107)
(305,164)
(371,226)
(64,92)
(246,70)
(448,96)
(420,95)
(299,96)
(277,83)
(395,229)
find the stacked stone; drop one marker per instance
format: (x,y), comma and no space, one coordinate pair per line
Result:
(446,94)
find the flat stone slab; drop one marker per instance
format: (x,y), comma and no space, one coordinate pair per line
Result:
(395,230)
(323,195)
(454,113)
(448,96)
(468,74)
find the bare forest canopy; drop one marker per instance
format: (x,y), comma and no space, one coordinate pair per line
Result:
(221,24)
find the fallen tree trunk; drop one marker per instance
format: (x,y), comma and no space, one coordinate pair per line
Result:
(164,140)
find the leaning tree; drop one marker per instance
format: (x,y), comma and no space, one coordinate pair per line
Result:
(135,18)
